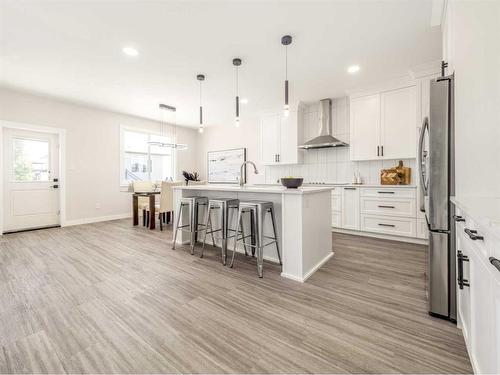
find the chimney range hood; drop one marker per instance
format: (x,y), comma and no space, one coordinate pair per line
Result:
(325,138)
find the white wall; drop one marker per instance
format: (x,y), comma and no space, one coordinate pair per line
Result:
(226,137)
(92,150)
(471,40)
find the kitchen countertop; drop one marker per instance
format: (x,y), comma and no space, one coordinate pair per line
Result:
(483,210)
(340,184)
(273,189)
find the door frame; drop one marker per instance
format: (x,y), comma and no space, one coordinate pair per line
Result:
(62,163)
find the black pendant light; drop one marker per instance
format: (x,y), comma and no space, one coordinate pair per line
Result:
(237,63)
(286,40)
(201,78)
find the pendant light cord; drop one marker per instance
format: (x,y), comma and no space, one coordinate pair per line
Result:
(286,63)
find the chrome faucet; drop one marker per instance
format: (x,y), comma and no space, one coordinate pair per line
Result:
(243,179)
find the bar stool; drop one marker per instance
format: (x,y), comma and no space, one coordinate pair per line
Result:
(258,211)
(223,205)
(193,204)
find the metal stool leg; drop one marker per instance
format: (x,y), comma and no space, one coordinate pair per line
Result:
(275,234)
(259,221)
(192,225)
(177,225)
(239,222)
(207,221)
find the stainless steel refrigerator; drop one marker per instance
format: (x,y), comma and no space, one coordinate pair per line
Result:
(437,184)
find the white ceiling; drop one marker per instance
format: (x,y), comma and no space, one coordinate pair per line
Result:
(73,50)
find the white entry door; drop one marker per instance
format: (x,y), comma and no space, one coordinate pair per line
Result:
(30,180)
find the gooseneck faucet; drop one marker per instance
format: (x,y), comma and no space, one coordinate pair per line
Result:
(243,177)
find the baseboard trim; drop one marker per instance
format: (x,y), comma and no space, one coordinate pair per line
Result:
(418,241)
(90,220)
(309,273)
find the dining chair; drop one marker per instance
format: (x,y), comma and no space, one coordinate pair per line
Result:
(166,203)
(143,202)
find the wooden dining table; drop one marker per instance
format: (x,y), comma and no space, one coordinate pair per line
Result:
(135,207)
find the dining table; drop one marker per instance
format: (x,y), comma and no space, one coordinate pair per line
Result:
(135,207)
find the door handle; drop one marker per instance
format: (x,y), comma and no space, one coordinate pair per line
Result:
(461,259)
(473,234)
(378,150)
(381,206)
(385,192)
(382,150)
(278,158)
(458,218)
(55,186)
(420,155)
(387,225)
(495,262)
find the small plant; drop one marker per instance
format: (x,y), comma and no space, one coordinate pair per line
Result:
(190,176)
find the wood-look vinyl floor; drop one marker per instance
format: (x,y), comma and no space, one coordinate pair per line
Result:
(110,298)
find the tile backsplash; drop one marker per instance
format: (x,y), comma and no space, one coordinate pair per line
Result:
(332,164)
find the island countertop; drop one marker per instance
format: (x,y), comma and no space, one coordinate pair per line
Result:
(273,189)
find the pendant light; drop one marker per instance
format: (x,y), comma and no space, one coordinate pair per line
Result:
(286,40)
(237,63)
(164,109)
(201,78)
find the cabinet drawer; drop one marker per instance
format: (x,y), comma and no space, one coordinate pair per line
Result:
(404,207)
(389,192)
(389,225)
(336,219)
(336,203)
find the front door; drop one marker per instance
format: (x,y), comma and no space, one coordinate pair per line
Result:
(30,180)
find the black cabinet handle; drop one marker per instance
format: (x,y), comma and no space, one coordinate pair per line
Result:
(461,259)
(495,262)
(385,192)
(386,206)
(458,218)
(382,150)
(387,225)
(378,150)
(350,188)
(473,234)
(55,186)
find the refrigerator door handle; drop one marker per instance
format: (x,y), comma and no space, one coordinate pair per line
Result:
(423,187)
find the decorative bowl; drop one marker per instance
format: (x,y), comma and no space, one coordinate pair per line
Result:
(291,183)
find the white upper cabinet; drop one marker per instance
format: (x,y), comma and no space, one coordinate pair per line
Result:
(365,125)
(269,139)
(383,125)
(280,137)
(398,123)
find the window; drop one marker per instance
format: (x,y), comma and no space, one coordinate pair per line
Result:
(144,162)
(31,159)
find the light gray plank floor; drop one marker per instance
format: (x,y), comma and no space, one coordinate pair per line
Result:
(110,298)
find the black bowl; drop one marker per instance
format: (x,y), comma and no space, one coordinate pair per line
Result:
(292,183)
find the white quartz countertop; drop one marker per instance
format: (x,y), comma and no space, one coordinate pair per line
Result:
(341,184)
(483,210)
(273,189)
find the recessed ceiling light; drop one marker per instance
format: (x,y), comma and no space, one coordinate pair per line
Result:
(130,51)
(353,69)
(244,101)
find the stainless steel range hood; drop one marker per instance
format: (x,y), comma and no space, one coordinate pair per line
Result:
(325,138)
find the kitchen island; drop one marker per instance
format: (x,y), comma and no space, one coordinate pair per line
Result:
(303,218)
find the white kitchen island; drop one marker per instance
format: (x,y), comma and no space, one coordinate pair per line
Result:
(303,218)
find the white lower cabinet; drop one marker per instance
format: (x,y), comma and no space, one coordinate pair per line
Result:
(350,208)
(422,229)
(386,210)
(478,301)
